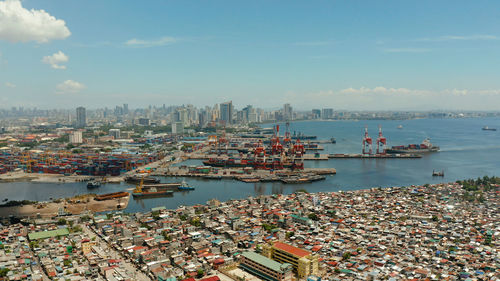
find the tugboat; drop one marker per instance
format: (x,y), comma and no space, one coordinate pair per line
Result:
(486,128)
(185,186)
(424,147)
(93,184)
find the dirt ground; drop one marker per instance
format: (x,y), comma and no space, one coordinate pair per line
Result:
(75,206)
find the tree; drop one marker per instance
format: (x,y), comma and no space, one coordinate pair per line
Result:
(313,216)
(200,273)
(346,256)
(4,271)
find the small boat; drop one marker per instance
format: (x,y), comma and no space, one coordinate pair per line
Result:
(185,186)
(249,179)
(486,128)
(400,126)
(437,173)
(213,177)
(333,140)
(93,184)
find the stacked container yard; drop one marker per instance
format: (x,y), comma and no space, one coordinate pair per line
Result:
(94,164)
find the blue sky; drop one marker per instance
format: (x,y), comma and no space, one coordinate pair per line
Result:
(340,54)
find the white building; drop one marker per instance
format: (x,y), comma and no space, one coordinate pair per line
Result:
(177,128)
(76,137)
(115,133)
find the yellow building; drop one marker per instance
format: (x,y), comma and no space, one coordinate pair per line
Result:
(304,262)
(87,246)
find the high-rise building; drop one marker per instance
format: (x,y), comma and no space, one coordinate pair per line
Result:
(226,112)
(81,117)
(125,108)
(76,137)
(316,113)
(327,113)
(144,121)
(287,112)
(115,133)
(177,128)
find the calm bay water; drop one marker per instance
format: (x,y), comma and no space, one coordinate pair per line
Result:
(466,151)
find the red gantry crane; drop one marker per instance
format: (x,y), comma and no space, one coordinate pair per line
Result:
(367,143)
(381,142)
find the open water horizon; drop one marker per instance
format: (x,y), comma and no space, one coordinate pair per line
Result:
(466,152)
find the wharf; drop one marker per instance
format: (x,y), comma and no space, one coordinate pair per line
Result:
(305,176)
(307,157)
(374,156)
(314,157)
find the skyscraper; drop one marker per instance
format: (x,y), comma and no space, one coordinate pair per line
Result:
(226,112)
(287,112)
(81,117)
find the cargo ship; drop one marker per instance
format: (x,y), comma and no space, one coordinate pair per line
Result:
(150,192)
(242,163)
(109,196)
(301,136)
(486,128)
(425,147)
(136,179)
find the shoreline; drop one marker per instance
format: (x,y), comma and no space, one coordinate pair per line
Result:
(75,206)
(20,176)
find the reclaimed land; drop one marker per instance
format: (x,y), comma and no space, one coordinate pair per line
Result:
(75,205)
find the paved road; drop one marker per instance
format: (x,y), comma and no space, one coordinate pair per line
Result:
(136,274)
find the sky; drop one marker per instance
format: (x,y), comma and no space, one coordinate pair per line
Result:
(349,55)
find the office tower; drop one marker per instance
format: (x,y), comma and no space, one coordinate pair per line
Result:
(226,112)
(81,117)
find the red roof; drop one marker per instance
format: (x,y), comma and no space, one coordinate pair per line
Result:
(291,249)
(213,278)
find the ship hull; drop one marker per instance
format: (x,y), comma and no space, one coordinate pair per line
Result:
(412,151)
(110,196)
(152,194)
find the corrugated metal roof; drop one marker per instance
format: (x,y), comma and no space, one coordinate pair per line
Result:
(269,263)
(48,234)
(291,249)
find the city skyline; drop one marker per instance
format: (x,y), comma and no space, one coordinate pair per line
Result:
(349,56)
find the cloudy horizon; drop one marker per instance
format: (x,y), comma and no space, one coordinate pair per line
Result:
(351,56)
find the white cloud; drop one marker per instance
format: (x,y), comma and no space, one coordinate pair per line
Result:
(70,87)
(406,50)
(387,98)
(56,59)
(382,90)
(18,24)
(139,43)
(459,38)
(9,85)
